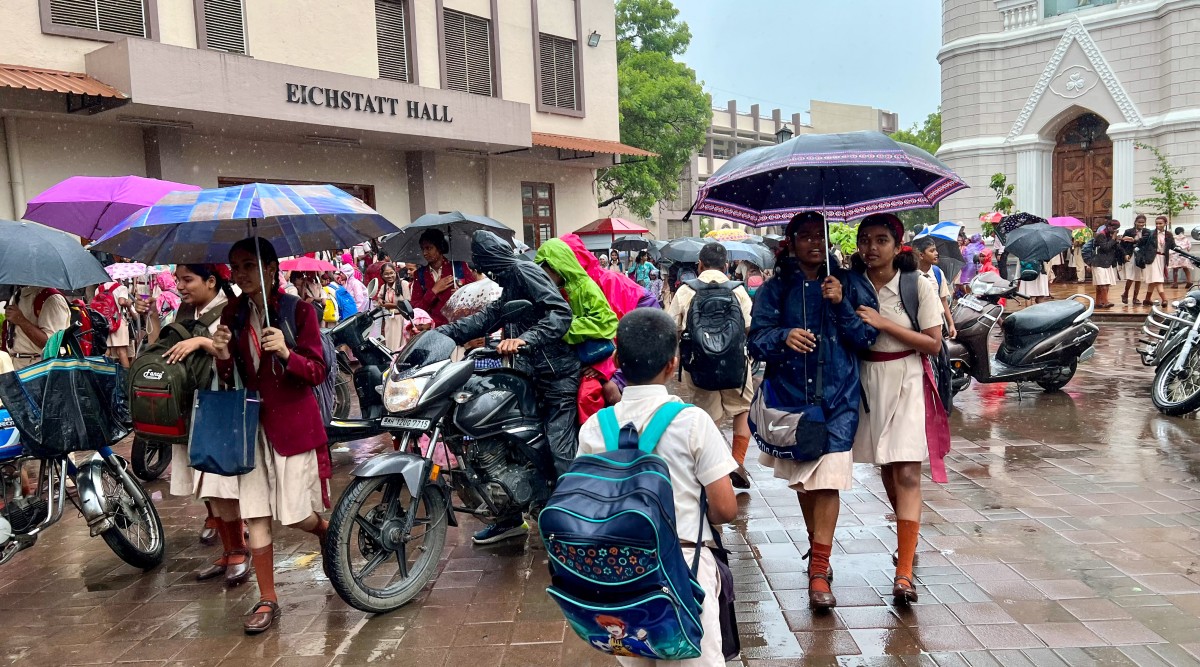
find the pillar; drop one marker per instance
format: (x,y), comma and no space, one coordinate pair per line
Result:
(16,182)
(421,169)
(1123,173)
(1034,177)
(163,148)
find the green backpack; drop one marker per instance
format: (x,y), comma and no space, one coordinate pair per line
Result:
(161,394)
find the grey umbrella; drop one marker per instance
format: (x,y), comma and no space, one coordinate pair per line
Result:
(628,243)
(685,249)
(405,246)
(37,256)
(1038,242)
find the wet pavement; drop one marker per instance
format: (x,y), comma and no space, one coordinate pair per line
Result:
(1067,535)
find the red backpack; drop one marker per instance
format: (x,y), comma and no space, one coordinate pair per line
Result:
(88,327)
(106,304)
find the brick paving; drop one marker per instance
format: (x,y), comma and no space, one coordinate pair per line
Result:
(1067,535)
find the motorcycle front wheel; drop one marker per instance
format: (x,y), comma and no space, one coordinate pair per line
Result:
(137,534)
(149,459)
(375,564)
(1177,393)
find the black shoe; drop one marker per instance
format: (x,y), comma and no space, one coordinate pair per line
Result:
(740,478)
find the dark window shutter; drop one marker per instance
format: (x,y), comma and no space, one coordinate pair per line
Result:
(126,17)
(391,31)
(557,71)
(468,53)
(224,25)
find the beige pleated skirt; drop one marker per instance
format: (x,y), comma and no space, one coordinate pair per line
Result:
(1102,276)
(185,481)
(894,430)
(833,471)
(285,488)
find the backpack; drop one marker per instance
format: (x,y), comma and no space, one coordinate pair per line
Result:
(105,303)
(345,303)
(325,391)
(330,313)
(938,276)
(617,569)
(1089,252)
(87,330)
(911,300)
(161,394)
(713,345)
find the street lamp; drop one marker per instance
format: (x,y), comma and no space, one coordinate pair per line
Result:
(783,134)
(594,39)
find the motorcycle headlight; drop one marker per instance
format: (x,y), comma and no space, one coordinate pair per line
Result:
(401,395)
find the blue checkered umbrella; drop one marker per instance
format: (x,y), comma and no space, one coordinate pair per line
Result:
(201,226)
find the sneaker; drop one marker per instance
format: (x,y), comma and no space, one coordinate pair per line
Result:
(494,532)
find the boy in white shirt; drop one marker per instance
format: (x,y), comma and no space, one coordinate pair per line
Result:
(694,449)
(927,258)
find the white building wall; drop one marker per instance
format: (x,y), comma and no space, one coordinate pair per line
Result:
(461,183)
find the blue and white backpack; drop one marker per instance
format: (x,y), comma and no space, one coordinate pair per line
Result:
(617,570)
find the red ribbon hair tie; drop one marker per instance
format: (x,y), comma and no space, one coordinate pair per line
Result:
(905,248)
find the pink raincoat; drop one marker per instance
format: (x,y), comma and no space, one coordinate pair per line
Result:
(622,293)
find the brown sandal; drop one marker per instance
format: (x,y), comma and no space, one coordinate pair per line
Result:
(821,600)
(259,620)
(828,575)
(903,590)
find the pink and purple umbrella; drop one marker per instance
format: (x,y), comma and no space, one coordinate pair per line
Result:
(89,206)
(1067,221)
(306,264)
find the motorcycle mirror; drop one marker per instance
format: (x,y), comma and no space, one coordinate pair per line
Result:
(514,309)
(373,288)
(1029,275)
(405,308)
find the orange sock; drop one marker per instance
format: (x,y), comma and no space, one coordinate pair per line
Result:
(907,533)
(264,572)
(819,564)
(740,444)
(321,530)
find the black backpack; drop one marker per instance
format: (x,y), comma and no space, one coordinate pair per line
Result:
(713,346)
(326,391)
(910,298)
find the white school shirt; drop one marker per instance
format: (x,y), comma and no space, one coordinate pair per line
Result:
(696,452)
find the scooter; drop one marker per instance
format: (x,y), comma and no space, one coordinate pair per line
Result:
(1043,343)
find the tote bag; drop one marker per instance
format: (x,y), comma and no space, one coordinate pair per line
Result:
(224,429)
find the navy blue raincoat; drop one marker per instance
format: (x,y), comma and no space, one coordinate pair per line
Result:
(788,302)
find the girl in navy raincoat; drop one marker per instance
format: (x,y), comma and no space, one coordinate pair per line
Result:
(795,314)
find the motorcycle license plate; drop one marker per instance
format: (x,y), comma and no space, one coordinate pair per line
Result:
(972,303)
(405,424)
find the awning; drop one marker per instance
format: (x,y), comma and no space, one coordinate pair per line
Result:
(55,81)
(584,145)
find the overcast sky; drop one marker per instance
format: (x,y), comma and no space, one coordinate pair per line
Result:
(783,53)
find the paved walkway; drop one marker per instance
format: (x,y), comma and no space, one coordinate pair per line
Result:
(1066,536)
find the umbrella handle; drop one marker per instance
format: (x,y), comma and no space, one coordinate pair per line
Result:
(262,283)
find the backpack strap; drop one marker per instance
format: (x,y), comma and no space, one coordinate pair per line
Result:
(609,428)
(208,318)
(649,436)
(287,318)
(41,299)
(910,296)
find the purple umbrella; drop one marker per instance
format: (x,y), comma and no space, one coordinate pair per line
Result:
(89,206)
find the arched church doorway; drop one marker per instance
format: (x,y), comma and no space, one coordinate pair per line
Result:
(1083,170)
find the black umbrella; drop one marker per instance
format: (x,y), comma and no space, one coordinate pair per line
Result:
(1011,222)
(37,256)
(1038,242)
(630,243)
(845,176)
(686,249)
(405,246)
(773,241)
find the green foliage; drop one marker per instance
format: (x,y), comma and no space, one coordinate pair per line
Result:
(844,236)
(663,108)
(1172,197)
(706,225)
(989,229)
(927,137)
(1004,191)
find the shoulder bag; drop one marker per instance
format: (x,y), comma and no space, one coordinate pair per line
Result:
(224,429)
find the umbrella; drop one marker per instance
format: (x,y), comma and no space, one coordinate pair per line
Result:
(727,235)
(630,243)
(993,217)
(773,241)
(1037,242)
(200,227)
(89,206)
(844,176)
(945,238)
(38,256)
(1067,221)
(685,249)
(127,270)
(306,264)
(1011,222)
(942,230)
(458,228)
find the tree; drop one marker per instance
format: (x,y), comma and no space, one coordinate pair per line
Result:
(1004,203)
(927,137)
(1172,198)
(662,107)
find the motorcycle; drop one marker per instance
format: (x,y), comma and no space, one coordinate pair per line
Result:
(112,502)
(1170,344)
(1042,343)
(485,445)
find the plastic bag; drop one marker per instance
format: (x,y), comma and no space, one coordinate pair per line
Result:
(67,405)
(470,299)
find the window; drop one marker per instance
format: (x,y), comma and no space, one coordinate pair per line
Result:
(1059,7)
(537,213)
(391,30)
(468,45)
(557,72)
(78,18)
(224,26)
(677,229)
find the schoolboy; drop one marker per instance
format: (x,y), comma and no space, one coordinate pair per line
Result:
(694,449)
(927,258)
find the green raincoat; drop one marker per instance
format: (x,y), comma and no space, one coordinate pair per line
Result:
(593,317)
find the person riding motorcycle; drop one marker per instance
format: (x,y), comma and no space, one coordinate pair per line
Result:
(551,363)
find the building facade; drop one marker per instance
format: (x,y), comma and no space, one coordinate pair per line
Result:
(733,132)
(498,108)
(1057,93)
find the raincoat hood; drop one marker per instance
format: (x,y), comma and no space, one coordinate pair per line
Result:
(490,253)
(622,293)
(592,317)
